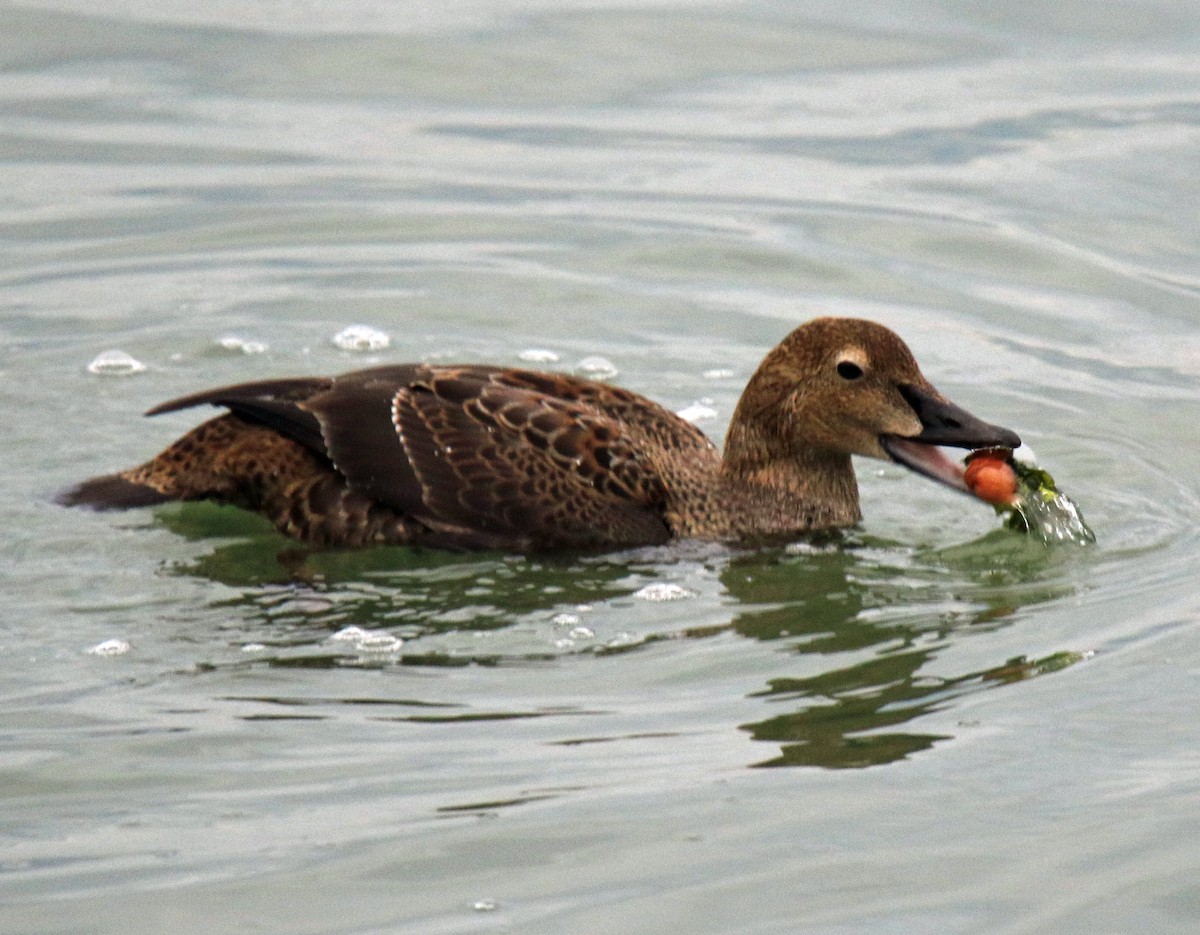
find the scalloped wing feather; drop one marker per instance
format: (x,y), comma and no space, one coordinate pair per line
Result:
(513,461)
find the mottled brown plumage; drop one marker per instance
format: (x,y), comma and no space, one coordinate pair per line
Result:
(473,456)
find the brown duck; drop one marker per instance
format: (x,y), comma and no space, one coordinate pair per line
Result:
(485,457)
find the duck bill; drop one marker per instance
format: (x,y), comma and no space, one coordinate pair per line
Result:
(942,423)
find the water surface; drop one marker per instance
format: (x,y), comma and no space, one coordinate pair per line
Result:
(927,724)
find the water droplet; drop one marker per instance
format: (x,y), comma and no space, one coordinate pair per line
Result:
(1055,519)
(662,591)
(112,647)
(538,355)
(598,368)
(1042,510)
(361,338)
(115,363)
(232,342)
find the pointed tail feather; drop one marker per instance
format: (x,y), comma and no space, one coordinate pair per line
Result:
(110,492)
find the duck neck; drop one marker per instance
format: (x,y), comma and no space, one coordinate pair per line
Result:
(779,489)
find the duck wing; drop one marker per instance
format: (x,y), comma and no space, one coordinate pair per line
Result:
(480,454)
(277,404)
(480,449)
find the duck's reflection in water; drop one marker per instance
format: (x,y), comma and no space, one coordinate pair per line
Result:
(882,616)
(857,626)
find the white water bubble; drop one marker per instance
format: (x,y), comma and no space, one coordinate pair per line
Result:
(809,548)
(598,368)
(361,338)
(380,642)
(231,342)
(718,373)
(254,647)
(699,411)
(115,363)
(565,620)
(484,905)
(112,647)
(662,591)
(538,355)
(371,641)
(581,633)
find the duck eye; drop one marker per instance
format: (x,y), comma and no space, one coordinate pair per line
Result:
(849,370)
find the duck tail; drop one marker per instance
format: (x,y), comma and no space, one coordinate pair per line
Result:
(226,459)
(187,469)
(111,492)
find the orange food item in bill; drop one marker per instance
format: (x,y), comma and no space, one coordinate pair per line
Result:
(991,477)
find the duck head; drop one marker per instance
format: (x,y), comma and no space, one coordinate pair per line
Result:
(837,387)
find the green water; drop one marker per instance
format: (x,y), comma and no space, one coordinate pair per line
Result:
(926,724)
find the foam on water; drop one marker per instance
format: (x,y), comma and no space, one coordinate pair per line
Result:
(361,338)
(232,342)
(598,368)
(538,355)
(699,411)
(375,641)
(115,363)
(113,647)
(662,591)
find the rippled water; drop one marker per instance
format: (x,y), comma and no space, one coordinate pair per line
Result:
(209,729)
